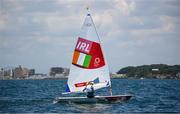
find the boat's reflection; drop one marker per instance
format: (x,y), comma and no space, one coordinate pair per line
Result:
(90,108)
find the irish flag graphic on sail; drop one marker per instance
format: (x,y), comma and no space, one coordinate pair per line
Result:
(88,54)
(81,59)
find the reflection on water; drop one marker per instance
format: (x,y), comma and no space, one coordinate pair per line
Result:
(90,108)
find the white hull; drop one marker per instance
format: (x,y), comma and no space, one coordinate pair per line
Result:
(96,99)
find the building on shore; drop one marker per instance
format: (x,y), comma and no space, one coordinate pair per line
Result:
(178,75)
(1,74)
(59,72)
(16,73)
(155,69)
(21,72)
(118,75)
(31,72)
(6,73)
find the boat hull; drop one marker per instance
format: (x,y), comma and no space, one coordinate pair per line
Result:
(96,99)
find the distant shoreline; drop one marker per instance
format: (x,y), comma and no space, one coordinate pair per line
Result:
(111,78)
(152,71)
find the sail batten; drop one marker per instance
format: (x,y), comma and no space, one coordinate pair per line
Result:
(88,62)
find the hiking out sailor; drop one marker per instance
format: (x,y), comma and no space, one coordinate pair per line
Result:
(89,89)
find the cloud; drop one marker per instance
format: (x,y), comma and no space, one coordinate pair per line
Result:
(132,32)
(3,21)
(124,6)
(168,23)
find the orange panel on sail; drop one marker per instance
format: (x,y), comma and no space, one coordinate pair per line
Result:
(75,57)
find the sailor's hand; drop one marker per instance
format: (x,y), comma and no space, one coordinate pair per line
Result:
(84,89)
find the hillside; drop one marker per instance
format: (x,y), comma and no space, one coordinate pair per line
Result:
(161,71)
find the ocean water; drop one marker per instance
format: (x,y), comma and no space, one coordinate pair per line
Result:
(18,96)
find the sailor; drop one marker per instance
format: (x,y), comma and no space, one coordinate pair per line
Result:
(89,89)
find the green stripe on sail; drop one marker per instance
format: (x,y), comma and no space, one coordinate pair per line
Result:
(87,61)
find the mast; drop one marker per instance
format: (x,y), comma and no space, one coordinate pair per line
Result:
(88,12)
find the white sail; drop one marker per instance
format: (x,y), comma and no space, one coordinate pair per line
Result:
(88,62)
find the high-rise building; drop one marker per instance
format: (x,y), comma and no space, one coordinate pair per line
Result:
(31,72)
(20,72)
(55,71)
(2,73)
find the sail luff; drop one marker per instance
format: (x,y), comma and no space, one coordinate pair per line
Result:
(101,45)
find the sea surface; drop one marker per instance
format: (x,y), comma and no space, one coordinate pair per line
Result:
(149,95)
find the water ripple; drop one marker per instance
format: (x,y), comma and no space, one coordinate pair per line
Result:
(17,96)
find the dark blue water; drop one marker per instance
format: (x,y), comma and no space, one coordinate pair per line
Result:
(37,96)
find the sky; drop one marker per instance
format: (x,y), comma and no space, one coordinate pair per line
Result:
(42,33)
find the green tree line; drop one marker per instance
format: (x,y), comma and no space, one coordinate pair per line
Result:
(151,71)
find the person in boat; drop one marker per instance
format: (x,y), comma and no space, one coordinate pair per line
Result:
(89,89)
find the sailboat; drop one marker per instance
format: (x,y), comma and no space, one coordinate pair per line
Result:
(89,65)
